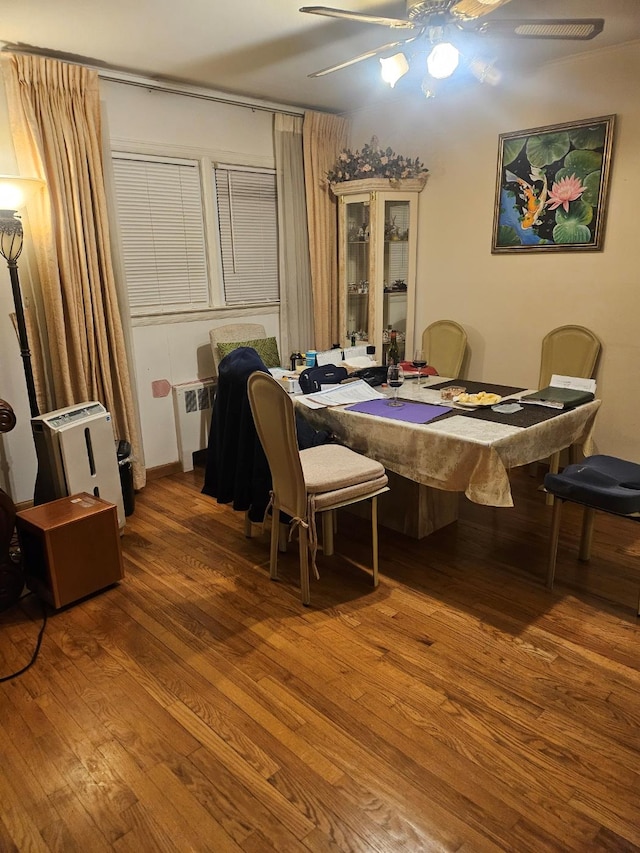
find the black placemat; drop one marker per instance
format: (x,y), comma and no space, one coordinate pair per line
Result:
(472,387)
(526,417)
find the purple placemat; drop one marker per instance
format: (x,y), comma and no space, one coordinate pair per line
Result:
(414,413)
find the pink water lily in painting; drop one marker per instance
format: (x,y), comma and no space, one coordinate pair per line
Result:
(564,191)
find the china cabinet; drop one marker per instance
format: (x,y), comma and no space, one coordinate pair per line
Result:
(377,242)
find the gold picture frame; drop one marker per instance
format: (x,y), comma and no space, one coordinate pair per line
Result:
(552,187)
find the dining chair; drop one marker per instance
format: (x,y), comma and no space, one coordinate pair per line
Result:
(233,333)
(599,483)
(311,481)
(567,351)
(444,343)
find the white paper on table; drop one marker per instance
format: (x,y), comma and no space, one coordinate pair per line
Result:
(329,356)
(344,395)
(576,383)
(287,378)
(304,400)
(354,352)
(359,362)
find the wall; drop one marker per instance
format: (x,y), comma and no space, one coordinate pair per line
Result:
(178,351)
(507,303)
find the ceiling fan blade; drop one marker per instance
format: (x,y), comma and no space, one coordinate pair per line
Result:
(382,49)
(468,10)
(580,29)
(327,11)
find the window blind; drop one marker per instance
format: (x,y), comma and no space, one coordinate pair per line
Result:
(159,208)
(248,226)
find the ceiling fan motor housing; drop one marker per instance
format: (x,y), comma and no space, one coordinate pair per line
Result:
(419,11)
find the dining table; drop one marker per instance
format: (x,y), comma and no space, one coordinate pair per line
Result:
(438,449)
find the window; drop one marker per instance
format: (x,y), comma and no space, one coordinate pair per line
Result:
(160,214)
(162,207)
(248,228)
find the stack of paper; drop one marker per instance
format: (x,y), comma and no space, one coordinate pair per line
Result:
(341,395)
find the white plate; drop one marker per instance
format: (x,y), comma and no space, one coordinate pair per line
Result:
(476,405)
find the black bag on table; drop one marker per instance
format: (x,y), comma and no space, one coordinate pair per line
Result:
(372,375)
(312,378)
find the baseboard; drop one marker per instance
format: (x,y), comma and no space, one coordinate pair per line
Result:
(164,470)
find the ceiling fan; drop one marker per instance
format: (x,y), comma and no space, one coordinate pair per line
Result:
(433,25)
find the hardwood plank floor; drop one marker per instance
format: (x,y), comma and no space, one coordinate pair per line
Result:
(197,706)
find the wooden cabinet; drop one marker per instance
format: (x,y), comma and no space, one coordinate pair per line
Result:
(377,244)
(70,547)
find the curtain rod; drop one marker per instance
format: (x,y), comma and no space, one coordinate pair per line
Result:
(197,92)
(171,87)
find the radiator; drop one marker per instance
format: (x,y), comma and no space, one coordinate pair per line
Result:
(192,402)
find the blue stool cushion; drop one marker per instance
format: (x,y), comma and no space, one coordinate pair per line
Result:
(601,482)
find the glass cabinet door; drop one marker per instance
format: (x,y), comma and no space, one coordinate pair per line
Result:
(358,234)
(396,271)
(377,232)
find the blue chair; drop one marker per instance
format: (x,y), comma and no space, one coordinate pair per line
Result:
(603,483)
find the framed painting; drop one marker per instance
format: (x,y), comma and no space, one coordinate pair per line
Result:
(552,186)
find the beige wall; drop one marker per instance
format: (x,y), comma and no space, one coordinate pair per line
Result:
(507,303)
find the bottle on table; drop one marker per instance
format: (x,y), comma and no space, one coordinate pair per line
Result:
(393,353)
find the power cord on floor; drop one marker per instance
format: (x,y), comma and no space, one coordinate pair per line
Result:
(34,657)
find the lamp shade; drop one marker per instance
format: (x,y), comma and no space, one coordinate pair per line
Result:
(15,191)
(393,68)
(443,60)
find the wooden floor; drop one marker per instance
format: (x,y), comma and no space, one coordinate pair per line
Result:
(460,706)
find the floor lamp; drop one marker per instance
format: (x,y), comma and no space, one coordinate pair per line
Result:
(14,193)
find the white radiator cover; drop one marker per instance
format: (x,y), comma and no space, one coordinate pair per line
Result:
(192,403)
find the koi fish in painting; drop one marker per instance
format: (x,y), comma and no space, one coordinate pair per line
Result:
(534,199)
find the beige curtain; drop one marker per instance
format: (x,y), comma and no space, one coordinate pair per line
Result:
(296,305)
(324,136)
(54,110)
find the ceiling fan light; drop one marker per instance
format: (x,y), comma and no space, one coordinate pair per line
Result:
(485,72)
(443,60)
(393,68)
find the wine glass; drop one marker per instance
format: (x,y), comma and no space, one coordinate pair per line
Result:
(395,378)
(419,361)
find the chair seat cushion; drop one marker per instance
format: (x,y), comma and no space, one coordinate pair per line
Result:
(331,466)
(349,494)
(601,482)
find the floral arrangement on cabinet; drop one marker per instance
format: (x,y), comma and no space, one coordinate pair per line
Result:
(375,162)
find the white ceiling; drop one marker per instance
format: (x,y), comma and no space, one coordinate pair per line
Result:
(266,48)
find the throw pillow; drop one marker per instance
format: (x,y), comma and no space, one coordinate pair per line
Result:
(267,349)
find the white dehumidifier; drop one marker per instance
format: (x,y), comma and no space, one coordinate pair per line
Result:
(76,452)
